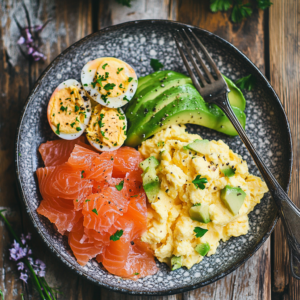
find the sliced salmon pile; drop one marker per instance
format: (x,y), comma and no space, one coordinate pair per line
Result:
(97,199)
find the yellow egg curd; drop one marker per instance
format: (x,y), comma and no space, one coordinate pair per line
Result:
(170,229)
(67,109)
(113,75)
(107,126)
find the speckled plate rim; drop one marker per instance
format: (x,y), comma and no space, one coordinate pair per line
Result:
(73,267)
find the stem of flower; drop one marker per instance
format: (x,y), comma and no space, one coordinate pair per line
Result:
(48,287)
(1,294)
(9,227)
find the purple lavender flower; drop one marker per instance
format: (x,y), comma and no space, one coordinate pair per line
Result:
(24,277)
(21,266)
(16,252)
(30,38)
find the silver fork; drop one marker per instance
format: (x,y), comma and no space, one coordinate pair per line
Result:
(215,90)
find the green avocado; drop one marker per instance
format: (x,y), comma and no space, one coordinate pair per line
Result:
(176,262)
(233,198)
(200,213)
(151,162)
(151,183)
(199,146)
(228,171)
(203,248)
(166,97)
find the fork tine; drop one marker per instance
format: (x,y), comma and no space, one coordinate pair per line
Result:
(200,59)
(210,60)
(186,63)
(193,61)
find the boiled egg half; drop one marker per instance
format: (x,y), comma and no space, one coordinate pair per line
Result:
(106,130)
(109,81)
(69,110)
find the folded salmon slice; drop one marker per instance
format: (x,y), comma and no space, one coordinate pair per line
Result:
(60,212)
(55,153)
(126,159)
(83,251)
(103,209)
(63,181)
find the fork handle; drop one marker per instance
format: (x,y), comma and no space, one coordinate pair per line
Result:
(289,213)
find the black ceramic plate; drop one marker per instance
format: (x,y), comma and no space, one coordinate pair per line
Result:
(136,43)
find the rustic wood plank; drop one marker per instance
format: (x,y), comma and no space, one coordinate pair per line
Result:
(284,74)
(253,279)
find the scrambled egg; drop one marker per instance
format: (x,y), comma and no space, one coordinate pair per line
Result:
(67,109)
(107,128)
(170,228)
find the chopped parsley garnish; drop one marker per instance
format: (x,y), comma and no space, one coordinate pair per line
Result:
(121,86)
(160,144)
(129,79)
(72,93)
(72,124)
(133,196)
(103,133)
(125,98)
(53,115)
(199,182)
(155,64)
(116,144)
(246,82)
(77,119)
(120,185)
(87,200)
(85,84)
(100,121)
(76,108)
(119,70)
(104,98)
(200,231)
(95,211)
(136,273)
(63,108)
(57,128)
(78,128)
(121,118)
(109,86)
(117,235)
(111,158)
(82,173)
(103,67)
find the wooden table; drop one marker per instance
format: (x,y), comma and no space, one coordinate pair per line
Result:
(268,38)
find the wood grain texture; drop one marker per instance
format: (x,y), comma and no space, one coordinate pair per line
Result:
(253,279)
(284,76)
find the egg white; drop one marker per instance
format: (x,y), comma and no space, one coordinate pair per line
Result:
(88,74)
(106,148)
(86,103)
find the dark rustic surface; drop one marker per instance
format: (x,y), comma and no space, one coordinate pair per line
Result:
(269,39)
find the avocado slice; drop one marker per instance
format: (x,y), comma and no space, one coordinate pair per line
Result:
(151,162)
(202,248)
(151,183)
(176,262)
(167,97)
(228,171)
(200,213)
(233,198)
(200,146)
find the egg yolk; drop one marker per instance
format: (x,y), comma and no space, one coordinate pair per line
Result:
(112,78)
(107,126)
(67,110)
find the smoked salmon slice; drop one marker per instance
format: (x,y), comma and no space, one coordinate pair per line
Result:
(126,159)
(63,181)
(60,212)
(103,209)
(83,251)
(55,153)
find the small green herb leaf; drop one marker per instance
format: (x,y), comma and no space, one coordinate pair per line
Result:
(119,70)
(199,182)
(129,79)
(263,4)
(87,200)
(136,273)
(78,128)
(240,11)
(95,211)
(247,82)
(103,67)
(200,231)
(116,236)
(57,128)
(109,86)
(76,108)
(155,64)
(220,5)
(82,173)
(120,185)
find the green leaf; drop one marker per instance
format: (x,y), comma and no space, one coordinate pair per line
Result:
(136,273)
(240,11)
(109,86)
(263,4)
(103,67)
(199,182)
(117,235)
(82,173)
(119,70)
(57,128)
(78,128)
(120,185)
(87,200)
(200,231)
(124,2)
(129,79)
(220,5)
(155,64)
(247,82)
(95,211)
